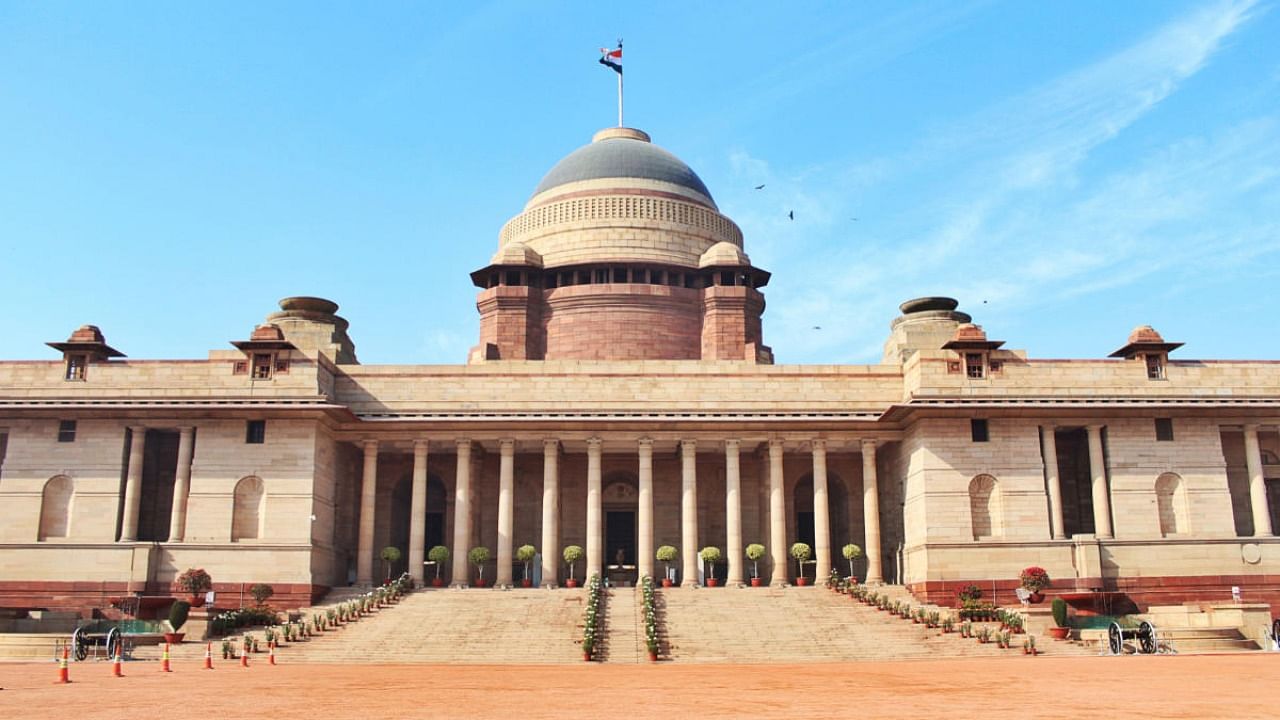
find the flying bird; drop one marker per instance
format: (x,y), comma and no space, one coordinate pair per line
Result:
(817,327)
(759,187)
(791,214)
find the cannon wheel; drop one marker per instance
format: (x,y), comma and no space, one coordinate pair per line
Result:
(79,650)
(1275,631)
(1147,638)
(113,642)
(1115,639)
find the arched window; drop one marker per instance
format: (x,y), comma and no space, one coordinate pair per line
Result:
(55,508)
(1171,503)
(984,507)
(247,513)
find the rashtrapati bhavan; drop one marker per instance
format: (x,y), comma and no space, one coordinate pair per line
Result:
(621,397)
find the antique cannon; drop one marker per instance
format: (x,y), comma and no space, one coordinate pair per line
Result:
(1144,635)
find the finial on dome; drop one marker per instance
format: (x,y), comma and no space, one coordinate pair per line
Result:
(1145,340)
(971,337)
(625,133)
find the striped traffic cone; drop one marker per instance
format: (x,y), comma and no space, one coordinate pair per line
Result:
(64,675)
(117,668)
(208,656)
(164,659)
(271,653)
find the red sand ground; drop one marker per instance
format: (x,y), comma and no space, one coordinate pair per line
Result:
(1224,686)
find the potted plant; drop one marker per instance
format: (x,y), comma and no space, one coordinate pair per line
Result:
(1063,630)
(572,554)
(1034,579)
(801,552)
(851,552)
(710,556)
(1029,646)
(195,582)
(390,555)
(525,554)
(755,551)
(438,555)
(478,557)
(177,618)
(667,555)
(261,592)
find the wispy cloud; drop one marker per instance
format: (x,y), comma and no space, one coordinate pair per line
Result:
(1015,213)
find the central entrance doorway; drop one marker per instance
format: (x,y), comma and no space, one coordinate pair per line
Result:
(620,539)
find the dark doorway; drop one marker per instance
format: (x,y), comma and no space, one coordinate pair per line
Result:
(159,469)
(620,534)
(804,528)
(1273,503)
(1076,479)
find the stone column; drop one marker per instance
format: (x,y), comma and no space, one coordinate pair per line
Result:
(733,512)
(821,513)
(1101,498)
(1050,439)
(506,520)
(133,484)
(595,519)
(182,485)
(644,513)
(418,513)
(368,502)
(550,512)
(689,513)
(1257,483)
(871,511)
(462,515)
(777,515)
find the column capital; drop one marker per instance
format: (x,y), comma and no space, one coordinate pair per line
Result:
(1094,427)
(507,446)
(689,446)
(135,429)
(463,443)
(594,443)
(1050,427)
(818,445)
(186,429)
(868,443)
(775,443)
(421,444)
(1251,428)
(550,445)
(645,442)
(732,445)
(369,445)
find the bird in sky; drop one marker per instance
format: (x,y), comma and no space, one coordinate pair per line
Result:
(791,214)
(817,327)
(759,187)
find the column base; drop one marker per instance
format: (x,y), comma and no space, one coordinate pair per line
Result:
(459,585)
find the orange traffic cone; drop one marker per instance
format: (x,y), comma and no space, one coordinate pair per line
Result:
(271,652)
(116,668)
(164,659)
(64,675)
(244,658)
(208,656)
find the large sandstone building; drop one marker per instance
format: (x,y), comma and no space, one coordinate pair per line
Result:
(621,397)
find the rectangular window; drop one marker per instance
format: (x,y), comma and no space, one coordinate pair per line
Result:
(978,429)
(620,275)
(1164,429)
(282,365)
(76,367)
(600,276)
(996,366)
(513,278)
(261,366)
(66,431)
(640,276)
(1155,367)
(953,368)
(255,432)
(240,367)
(973,365)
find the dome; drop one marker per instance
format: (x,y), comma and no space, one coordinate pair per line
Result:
(624,153)
(516,253)
(723,254)
(1144,334)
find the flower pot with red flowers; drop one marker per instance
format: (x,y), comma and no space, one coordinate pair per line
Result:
(572,554)
(666,555)
(801,552)
(710,555)
(755,551)
(1034,580)
(525,554)
(195,582)
(438,555)
(478,557)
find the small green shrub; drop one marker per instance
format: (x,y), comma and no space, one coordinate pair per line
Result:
(178,613)
(1059,607)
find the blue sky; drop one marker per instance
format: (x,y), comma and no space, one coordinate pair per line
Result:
(1067,170)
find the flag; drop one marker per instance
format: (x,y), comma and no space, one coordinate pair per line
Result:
(612,58)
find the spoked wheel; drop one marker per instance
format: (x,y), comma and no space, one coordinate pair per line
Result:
(79,645)
(113,642)
(1147,637)
(1275,631)
(1115,639)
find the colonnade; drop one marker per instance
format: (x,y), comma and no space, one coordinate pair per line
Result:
(595,550)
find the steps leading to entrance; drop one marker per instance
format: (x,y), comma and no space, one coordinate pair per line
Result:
(31,646)
(1185,639)
(803,625)
(622,627)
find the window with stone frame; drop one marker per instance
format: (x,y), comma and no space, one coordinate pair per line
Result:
(1164,429)
(974,365)
(1155,367)
(66,431)
(255,432)
(262,363)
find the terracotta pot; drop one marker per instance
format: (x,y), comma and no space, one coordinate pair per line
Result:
(755,582)
(1060,633)
(480,582)
(712,582)
(437,582)
(197,599)
(1036,597)
(174,638)
(571,583)
(666,582)
(586,657)
(526,582)
(653,657)
(802,581)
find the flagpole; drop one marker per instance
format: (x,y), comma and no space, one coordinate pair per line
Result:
(620,100)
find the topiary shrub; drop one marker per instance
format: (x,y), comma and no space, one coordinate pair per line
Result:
(478,557)
(178,613)
(390,555)
(572,554)
(438,555)
(755,551)
(851,552)
(261,592)
(666,555)
(710,556)
(1059,607)
(801,552)
(525,554)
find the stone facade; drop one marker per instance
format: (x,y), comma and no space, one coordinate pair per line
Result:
(621,398)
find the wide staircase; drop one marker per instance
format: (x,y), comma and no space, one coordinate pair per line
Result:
(624,627)
(805,625)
